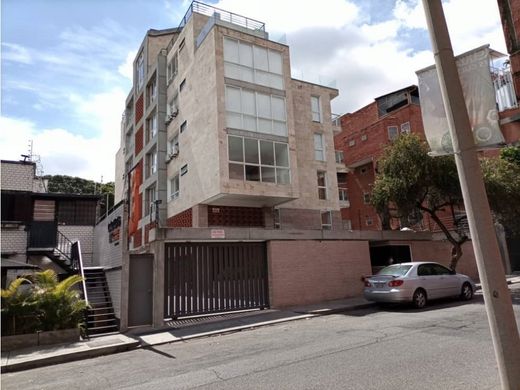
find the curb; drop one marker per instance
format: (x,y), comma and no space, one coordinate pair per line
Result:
(68,357)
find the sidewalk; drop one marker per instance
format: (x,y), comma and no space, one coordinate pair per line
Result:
(174,331)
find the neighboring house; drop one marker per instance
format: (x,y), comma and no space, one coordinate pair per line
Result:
(38,228)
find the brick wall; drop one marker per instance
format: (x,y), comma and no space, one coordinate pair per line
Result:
(17,176)
(83,234)
(139,109)
(306,272)
(183,219)
(139,140)
(440,252)
(14,241)
(235,216)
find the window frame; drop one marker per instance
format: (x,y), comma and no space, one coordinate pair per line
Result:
(322,189)
(316,114)
(392,135)
(319,150)
(174,190)
(326,226)
(140,70)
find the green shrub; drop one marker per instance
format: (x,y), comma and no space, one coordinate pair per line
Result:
(40,303)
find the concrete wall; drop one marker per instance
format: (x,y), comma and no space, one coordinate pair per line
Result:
(109,256)
(306,272)
(83,234)
(17,176)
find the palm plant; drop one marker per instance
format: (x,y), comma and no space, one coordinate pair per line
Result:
(40,302)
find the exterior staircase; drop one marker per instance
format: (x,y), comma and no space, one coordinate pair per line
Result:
(100,316)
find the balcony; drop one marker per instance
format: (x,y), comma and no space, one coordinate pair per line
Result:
(504,87)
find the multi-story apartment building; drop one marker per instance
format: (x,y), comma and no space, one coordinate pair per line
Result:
(216,133)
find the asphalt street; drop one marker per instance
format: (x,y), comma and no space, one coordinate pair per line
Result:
(446,346)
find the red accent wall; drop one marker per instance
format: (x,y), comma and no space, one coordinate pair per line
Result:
(139,140)
(183,219)
(235,216)
(138,238)
(139,109)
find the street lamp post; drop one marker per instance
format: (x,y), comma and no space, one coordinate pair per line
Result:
(504,331)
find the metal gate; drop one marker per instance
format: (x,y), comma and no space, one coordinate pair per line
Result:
(202,278)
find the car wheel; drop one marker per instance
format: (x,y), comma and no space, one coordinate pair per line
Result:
(419,298)
(466,292)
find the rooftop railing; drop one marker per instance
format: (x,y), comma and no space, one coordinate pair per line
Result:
(230,17)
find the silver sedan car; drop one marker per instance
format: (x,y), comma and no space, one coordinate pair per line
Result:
(417,282)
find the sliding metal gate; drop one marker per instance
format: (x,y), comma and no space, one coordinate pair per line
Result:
(202,278)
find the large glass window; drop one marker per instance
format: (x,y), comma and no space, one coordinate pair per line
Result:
(172,68)
(151,92)
(319,150)
(255,111)
(326,220)
(258,160)
(151,127)
(252,63)
(151,162)
(149,198)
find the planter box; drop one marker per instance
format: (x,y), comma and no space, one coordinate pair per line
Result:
(10,343)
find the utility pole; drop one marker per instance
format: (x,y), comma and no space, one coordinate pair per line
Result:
(497,298)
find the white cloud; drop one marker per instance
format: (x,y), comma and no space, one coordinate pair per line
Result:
(63,152)
(16,53)
(293,15)
(126,69)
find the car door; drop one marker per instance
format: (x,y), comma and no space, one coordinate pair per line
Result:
(448,282)
(428,280)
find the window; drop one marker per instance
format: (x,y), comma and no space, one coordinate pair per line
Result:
(151,162)
(16,207)
(182,85)
(151,127)
(364,137)
(326,220)
(340,158)
(172,68)
(184,169)
(258,160)
(319,152)
(343,194)
(151,92)
(277,219)
(316,109)
(255,111)
(76,212)
(174,188)
(140,71)
(347,224)
(366,197)
(363,170)
(183,127)
(392,132)
(351,143)
(129,139)
(405,128)
(149,199)
(254,64)
(322,185)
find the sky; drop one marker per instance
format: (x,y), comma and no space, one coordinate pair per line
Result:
(66,66)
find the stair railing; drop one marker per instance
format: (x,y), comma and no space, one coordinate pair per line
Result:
(77,266)
(64,247)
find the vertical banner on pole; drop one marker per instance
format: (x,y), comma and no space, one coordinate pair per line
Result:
(479,95)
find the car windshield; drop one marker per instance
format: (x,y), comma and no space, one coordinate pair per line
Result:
(395,270)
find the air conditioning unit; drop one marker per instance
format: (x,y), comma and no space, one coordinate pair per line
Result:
(170,117)
(174,153)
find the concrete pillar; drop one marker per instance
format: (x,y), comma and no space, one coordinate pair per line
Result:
(157,248)
(200,215)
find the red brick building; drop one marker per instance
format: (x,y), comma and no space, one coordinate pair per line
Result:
(364,135)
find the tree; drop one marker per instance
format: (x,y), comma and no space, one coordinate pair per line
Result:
(409,183)
(502,179)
